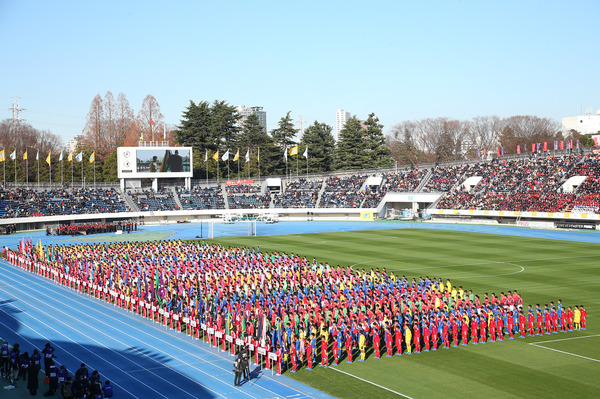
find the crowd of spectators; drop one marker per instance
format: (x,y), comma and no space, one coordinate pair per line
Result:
(533,184)
(202,198)
(150,200)
(249,201)
(26,202)
(301,193)
(93,228)
(343,192)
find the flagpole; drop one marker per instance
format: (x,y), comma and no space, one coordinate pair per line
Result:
(248,162)
(50,165)
(72,181)
(61,170)
(38,162)
(15,162)
(27,167)
(258,162)
(81,168)
(297,163)
(94,153)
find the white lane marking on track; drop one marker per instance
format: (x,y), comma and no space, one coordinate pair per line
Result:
(60,321)
(370,382)
(66,351)
(137,319)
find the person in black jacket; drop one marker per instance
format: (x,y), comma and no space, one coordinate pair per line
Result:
(237,369)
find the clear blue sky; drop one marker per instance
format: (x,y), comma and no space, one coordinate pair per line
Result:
(400,60)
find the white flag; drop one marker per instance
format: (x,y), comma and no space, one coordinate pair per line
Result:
(13,155)
(305,153)
(60,158)
(225,156)
(206,156)
(248,155)
(37,156)
(285,154)
(79,157)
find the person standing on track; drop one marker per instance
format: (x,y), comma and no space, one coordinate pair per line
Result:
(48,352)
(237,369)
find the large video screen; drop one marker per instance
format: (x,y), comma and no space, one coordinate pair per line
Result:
(163,160)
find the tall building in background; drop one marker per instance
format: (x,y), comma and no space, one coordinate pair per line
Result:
(247,111)
(341,117)
(72,144)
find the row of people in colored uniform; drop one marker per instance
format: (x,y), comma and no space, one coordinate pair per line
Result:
(286,300)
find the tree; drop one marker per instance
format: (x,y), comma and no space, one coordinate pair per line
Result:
(93,132)
(483,132)
(224,124)
(525,130)
(149,119)
(402,146)
(195,127)
(321,145)
(350,151)
(375,145)
(125,125)
(284,134)
(585,140)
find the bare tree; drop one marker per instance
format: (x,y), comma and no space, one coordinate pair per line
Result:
(93,133)
(527,130)
(483,132)
(124,121)
(110,126)
(150,119)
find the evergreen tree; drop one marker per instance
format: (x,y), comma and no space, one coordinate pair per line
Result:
(350,151)
(253,138)
(285,133)
(195,127)
(376,147)
(224,124)
(321,145)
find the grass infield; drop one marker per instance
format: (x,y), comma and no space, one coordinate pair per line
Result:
(563,365)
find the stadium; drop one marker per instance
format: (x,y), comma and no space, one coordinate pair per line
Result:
(367,283)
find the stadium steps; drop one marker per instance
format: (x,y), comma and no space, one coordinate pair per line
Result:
(129,201)
(225,196)
(424,180)
(321,191)
(176,198)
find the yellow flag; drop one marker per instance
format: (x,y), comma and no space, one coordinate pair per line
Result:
(2,156)
(48,158)
(25,156)
(93,157)
(294,150)
(216,156)
(70,158)
(237,155)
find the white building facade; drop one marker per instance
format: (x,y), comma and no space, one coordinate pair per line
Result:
(341,117)
(584,124)
(247,111)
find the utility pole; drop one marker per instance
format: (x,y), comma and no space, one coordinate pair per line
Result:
(15,127)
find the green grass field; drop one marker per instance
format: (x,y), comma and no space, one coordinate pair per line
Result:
(563,365)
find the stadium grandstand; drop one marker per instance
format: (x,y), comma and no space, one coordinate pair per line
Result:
(518,190)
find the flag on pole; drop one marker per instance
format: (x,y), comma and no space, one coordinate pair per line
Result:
(305,153)
(13,155)
(216,156)
(562,145)
(2,156)
(294,150)
(258,155)
(248,155)
(518,149)
(555,145)
(93,157)
(225,156)
(285,152)
(545,146)
(60,158)
(25,155)
(70,157)
(498,152)
(79,157)
(237,155)
(48,157)
(141,134)
(206,156)
(37,155)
